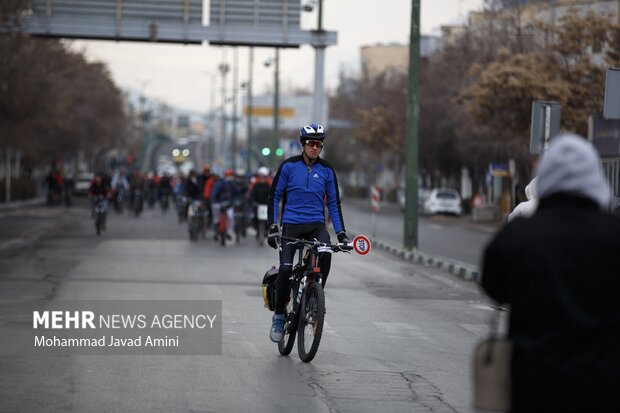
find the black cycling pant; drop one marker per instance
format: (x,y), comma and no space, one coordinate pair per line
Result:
(287,256)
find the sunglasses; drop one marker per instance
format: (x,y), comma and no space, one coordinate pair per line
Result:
(314,144)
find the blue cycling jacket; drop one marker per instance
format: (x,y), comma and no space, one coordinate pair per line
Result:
(303,189)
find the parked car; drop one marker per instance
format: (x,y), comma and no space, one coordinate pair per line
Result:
(82,183)
(443,201)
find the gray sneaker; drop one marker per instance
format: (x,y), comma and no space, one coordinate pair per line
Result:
(277,328)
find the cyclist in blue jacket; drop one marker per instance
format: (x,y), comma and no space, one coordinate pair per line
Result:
(302,183)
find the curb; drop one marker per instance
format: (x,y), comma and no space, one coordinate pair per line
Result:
(462,270)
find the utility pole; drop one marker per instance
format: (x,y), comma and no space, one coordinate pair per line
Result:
(249,86)
(413,131)
(234,108)
(319,71)
(276,110)
(211,142)
(223,67)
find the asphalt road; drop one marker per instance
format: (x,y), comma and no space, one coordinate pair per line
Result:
(398,337)
(457,238)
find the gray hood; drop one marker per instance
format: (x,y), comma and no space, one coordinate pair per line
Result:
(572,165)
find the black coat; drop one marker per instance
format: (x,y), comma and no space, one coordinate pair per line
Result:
(560,273)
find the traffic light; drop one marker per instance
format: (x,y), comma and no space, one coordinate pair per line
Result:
(265,151)
(279,152)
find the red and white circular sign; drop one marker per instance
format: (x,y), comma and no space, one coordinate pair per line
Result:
(361,245)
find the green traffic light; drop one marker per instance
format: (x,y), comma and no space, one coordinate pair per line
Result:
(279,152)
(266,151)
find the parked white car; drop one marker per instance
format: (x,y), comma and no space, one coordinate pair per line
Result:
(443,201)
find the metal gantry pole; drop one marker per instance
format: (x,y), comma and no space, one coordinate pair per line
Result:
(276,110)
(249,86)
(413,131)
(319,72)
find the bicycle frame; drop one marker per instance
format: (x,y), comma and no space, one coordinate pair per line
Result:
(307,265)
(298,284)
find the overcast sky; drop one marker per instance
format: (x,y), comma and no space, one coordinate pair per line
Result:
(181,75)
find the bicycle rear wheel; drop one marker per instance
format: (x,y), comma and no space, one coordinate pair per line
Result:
(290,327)
(311,319)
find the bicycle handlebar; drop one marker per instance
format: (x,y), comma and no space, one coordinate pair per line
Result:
(315,243)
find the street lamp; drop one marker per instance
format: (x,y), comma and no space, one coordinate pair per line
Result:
(144,135)
(276,104)
(211,138)
(249,137)
(223,68)
(234,108)
(248,86)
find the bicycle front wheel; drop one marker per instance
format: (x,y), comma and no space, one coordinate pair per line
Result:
(290,327)
(311,319)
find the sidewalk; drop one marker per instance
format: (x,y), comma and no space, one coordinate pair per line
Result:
(22,203)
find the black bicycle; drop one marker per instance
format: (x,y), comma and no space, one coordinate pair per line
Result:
(305,306)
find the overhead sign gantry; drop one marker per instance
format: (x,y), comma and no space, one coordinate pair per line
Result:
(267,23)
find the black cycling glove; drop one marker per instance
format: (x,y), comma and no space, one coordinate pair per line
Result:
(273,235)
(342,238)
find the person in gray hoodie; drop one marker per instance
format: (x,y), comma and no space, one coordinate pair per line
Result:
(559,272)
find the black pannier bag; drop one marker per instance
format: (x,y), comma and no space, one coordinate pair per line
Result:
(269,288)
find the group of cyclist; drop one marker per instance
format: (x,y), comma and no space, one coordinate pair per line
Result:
(217,194)
(132,190)
(230,196)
